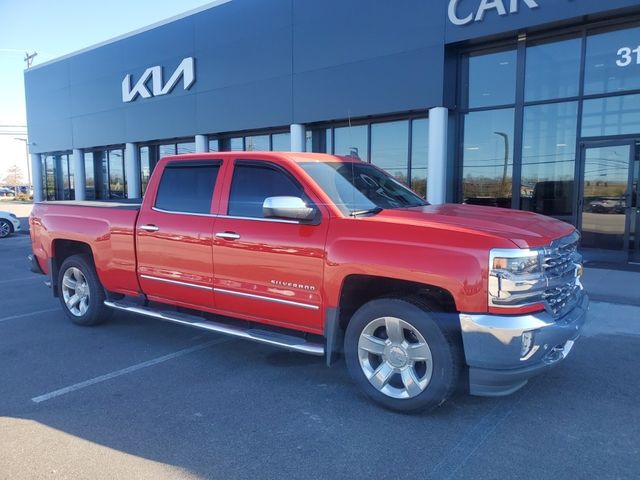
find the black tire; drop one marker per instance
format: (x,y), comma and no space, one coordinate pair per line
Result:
(444,345)
(96,312)
(6,228)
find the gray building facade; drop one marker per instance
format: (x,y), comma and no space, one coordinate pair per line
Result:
(526,104)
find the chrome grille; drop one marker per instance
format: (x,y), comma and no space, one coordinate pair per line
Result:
(561,265)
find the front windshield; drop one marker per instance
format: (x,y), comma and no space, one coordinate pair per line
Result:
(360,187)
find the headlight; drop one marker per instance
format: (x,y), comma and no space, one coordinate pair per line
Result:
(515,277)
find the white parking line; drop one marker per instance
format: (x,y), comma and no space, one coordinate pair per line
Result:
(23,315)
(124,371)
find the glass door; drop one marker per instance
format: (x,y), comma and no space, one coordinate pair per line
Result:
(606,200)
(635,208)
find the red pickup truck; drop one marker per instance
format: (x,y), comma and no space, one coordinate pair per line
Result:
(326,255)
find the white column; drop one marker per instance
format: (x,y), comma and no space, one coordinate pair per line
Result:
(132,170)
(437,163)
(202,144)
(79,177)
(36,172)
(298,138)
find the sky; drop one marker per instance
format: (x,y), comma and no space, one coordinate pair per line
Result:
(54,28)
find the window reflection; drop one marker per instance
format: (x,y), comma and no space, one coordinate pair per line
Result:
(488,158)
(256,143)
(611,116)
(236,144)
(419,155)
(351,141)
(90,186)
(548,159)
(116,173)
(491,79)
(390,148)
(145,168)
(214,145)
(281,142)
(611,64)
(166,150)
(553,70)
(185,147)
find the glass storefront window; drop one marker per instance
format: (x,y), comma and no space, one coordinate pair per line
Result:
(553,70)
(117,184)
(90,185)
(351,141)
(257,143)
(281,142)
(67,178)
(236,144)
(166,150)
(548,159)
(185,147)
(214,145)
(145,168)
(491,79)
(618,115)
(612,61)
(488,157)
(390,148)
(419,155)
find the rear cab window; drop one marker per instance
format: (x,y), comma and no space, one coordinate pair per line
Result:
(187,187)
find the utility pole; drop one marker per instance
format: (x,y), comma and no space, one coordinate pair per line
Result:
(28,58)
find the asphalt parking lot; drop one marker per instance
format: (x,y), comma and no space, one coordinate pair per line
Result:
(135,398)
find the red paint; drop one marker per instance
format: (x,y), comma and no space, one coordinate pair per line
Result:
(445,246)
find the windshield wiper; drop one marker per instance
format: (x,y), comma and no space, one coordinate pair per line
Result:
(371,211)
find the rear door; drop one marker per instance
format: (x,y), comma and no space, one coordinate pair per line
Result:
(268,269)
(175,235)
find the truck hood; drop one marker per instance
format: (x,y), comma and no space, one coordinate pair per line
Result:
(524,229)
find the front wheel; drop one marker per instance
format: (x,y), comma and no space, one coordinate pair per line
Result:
(400,356)
(81,293)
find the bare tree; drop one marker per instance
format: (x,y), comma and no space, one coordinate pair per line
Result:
(14,177)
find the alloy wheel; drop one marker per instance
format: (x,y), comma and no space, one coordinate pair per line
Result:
(395,357)
(75,291)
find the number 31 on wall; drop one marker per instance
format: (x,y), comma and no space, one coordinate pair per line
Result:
(625,57)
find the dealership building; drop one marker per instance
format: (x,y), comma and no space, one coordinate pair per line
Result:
(523,104)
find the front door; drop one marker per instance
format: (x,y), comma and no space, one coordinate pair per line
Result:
(606,216)
(265,268)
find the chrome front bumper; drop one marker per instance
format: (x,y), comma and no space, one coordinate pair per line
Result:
(504,351)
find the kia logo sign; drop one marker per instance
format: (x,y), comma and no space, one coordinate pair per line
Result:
(186,71)
(486,6)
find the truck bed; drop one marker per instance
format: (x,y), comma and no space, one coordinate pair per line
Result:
(120,204)
(106,229)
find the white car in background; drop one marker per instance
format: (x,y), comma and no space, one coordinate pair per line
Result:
(9,224)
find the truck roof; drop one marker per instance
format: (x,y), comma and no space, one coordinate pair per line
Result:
(262,155)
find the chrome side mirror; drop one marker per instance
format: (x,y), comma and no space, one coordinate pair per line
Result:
(290,208)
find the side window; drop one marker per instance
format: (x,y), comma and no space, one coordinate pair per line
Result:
(187,188)
(252,184)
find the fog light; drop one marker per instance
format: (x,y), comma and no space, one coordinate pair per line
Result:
(527,344)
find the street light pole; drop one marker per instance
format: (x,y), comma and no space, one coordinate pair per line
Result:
(26,149)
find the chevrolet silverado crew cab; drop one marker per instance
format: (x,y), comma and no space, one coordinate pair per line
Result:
(327,256)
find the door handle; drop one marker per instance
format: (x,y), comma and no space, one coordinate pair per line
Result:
(228,235)
(149,228)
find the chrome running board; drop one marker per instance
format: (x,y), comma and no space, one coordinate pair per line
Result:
(259,335)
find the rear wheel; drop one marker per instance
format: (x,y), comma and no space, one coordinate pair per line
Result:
(400,356)
(81,293)
(5,228)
